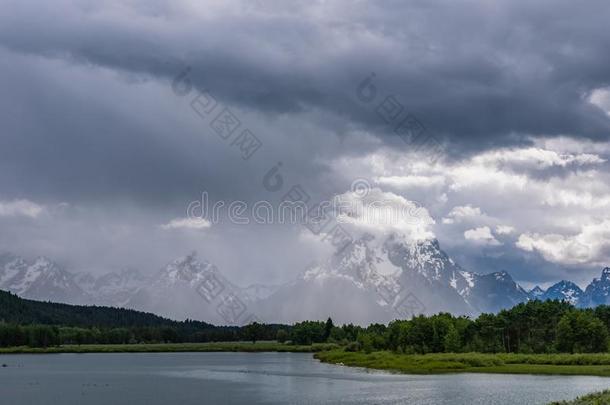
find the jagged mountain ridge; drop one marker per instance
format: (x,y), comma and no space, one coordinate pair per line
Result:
(564,291)
(189,288)
(172,292)
(39,279)
(598,291)
(536,292)
(114,288)
(370,281)
(384,280)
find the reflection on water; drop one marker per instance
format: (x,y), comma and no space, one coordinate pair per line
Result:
(257,378)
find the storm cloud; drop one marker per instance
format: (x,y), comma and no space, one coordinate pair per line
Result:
(94,135)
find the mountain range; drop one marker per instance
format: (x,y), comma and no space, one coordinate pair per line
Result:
(374,279)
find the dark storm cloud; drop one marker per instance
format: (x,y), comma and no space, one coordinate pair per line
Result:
(85,134)
(478,74)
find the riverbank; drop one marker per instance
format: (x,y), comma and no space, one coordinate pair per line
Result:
(598,398)
(548,364)
(174,347)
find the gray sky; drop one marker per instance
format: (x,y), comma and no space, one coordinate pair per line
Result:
(98,155)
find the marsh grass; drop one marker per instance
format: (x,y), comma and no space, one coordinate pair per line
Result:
(174,347)
(598,398)
(561,364)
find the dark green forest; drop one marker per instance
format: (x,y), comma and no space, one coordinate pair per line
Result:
(532,327)
(41,324)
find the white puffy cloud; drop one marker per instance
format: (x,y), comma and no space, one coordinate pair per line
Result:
(459,213)
(504,229)
(187,223)
(591,245)
(601,98)
(534,157)
(20,208)
(470,175)
(411,181)
(481,235)
(383,213)
(556,193)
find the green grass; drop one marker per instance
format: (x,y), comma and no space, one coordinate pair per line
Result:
(599,398)
(173,347)
(559,364)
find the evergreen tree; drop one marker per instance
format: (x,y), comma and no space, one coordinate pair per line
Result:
(281,336)
(253,331)
(452,340)
(328,328)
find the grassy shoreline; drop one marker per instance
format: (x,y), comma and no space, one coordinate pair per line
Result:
(548,364)
(172,348)
(441,363)
(597,398)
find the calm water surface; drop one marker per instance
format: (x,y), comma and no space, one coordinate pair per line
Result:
(257,378)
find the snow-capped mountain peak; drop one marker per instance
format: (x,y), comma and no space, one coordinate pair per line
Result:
(364,263)
(10,265)
(371,280)
(392,269)
(41,278)
(598,291)
(564,291)
(536,292)
(501,275)
(186,269)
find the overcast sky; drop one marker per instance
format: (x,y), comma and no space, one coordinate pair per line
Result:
(101,150)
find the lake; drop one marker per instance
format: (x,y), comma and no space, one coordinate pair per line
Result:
(257,378)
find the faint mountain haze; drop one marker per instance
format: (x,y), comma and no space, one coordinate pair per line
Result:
(375,279)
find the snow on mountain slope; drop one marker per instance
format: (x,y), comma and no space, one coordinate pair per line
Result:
(189,288)
(41,279)
(564,291)
(598,291)
(372,280)
(392,278)
(494,292)
(185,288)
(430,275)
(10,266)
(114,288)
(44,280)
(348,286)
(536,293)
(479,293)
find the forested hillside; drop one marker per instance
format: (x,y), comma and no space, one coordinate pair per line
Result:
(35,323)
(21,311)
